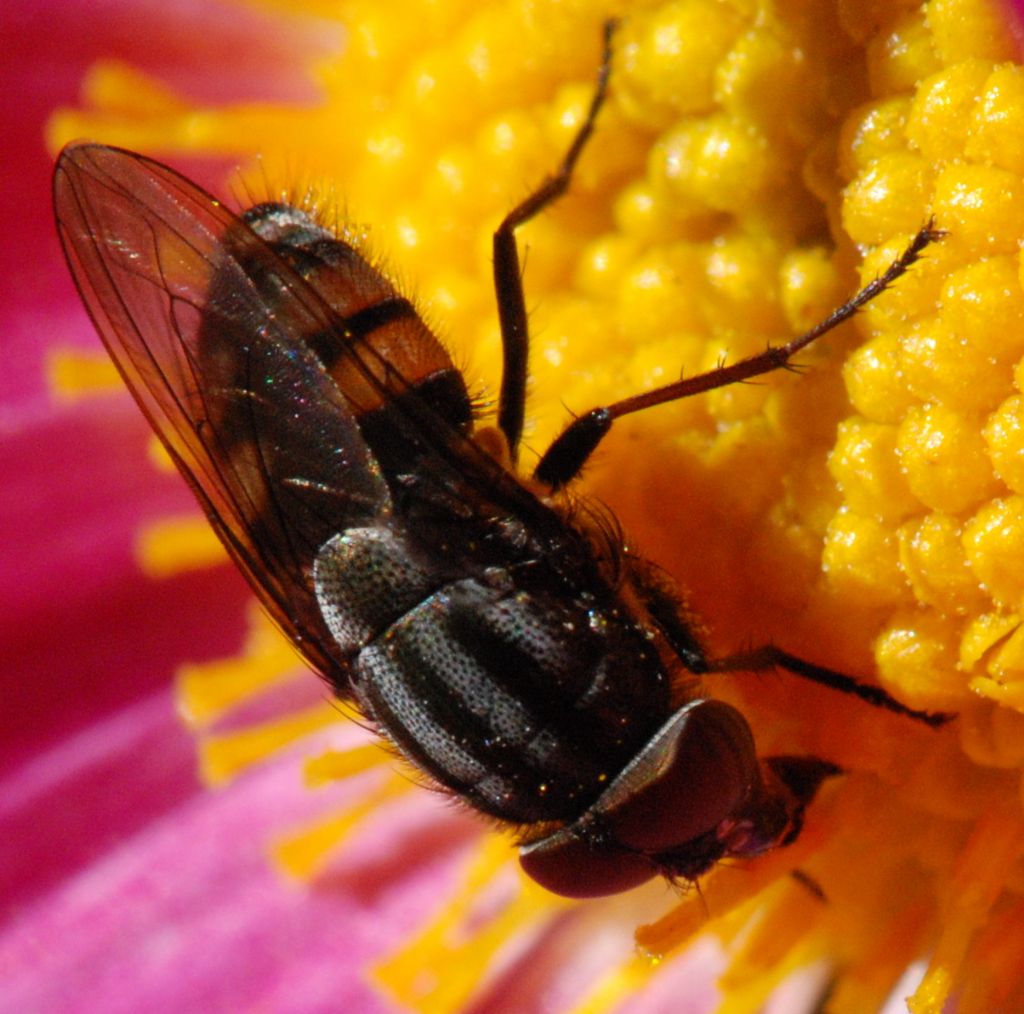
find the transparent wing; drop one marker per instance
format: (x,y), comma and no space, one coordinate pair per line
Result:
(210,330)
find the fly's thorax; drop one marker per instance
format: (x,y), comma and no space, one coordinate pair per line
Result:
(524,702)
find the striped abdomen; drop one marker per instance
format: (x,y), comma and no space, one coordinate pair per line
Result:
(380,346)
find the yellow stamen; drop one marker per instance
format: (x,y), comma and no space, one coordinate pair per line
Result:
(419,976)
(177,545)
(616,986)
(978,880)
(72,375)
(303,854)
(209,690)
(224,756)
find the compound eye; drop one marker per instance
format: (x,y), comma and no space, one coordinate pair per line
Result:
(698,770)
(568,865)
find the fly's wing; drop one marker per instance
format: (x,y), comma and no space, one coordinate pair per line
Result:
(209,329)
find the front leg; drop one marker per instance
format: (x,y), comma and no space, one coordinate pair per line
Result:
(508,278)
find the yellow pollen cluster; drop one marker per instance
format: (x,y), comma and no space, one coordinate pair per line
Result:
(757,161)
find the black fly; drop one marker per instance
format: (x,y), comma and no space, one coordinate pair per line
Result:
(499,638)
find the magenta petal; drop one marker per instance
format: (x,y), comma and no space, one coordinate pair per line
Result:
(83,631)
(69,805)
(181,911)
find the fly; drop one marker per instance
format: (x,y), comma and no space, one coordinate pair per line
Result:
(500,636)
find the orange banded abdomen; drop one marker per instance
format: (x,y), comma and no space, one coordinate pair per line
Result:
(380,347)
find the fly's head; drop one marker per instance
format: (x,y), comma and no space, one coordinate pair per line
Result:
(696,794)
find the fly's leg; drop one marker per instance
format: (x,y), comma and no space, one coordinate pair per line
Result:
(508,279)
(769,656)
(666,610)
(566,456)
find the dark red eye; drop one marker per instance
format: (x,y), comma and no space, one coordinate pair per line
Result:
(696,772)
(574,868)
